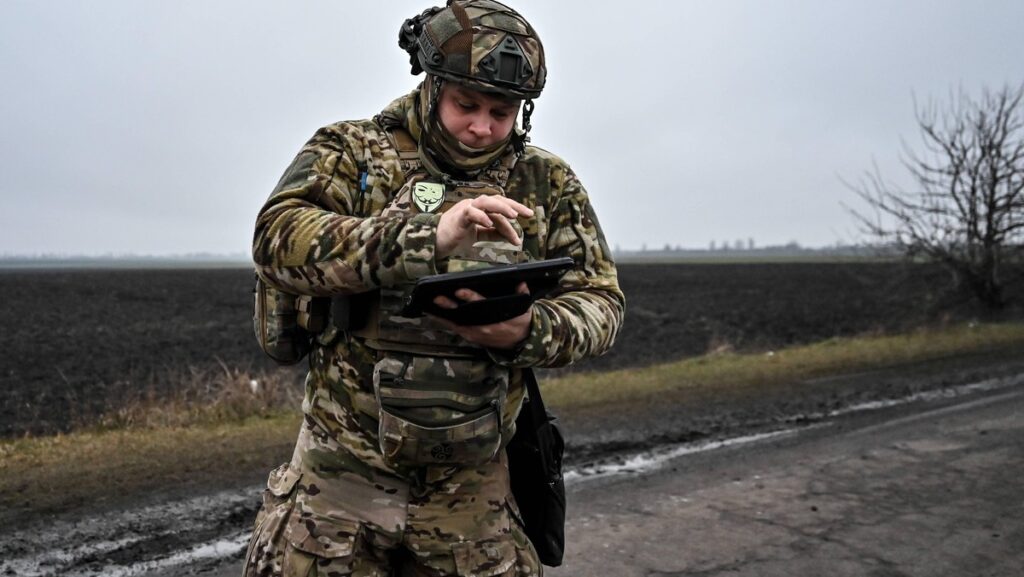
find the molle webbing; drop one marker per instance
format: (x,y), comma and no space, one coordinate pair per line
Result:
(407,148)
(439,410)
(385,329)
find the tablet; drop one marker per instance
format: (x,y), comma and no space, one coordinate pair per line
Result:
(496,283)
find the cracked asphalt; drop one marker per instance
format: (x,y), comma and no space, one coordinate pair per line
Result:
(902,492)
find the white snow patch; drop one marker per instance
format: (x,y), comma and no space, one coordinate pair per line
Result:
(656,458)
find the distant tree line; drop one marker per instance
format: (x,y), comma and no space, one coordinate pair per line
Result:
(748,249)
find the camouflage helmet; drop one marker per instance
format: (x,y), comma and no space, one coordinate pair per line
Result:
(481,43)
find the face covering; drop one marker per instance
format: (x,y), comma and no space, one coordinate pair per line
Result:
(440,151)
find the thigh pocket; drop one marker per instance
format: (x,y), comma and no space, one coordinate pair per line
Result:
(266,552)
(486,558)
(315,539)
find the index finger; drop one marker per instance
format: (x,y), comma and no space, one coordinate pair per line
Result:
(494,203)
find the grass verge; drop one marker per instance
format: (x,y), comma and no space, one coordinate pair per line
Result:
(133,456)
(82,470)
(740,373)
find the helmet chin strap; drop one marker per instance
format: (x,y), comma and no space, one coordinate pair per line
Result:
(521,137)
(435,96)
(527,113)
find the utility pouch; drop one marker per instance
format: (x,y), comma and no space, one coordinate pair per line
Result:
(439,411)
(275,322)
(312,313)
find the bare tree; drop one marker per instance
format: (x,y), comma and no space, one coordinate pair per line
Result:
(966,209)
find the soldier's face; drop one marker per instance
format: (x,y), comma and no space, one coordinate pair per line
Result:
(476,119)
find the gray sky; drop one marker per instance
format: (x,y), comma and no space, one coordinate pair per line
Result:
(160,127)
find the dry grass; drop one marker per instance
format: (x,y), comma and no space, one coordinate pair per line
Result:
(218,423)
(726,370)
(50,474)
(202,396)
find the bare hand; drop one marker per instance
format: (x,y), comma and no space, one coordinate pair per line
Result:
(473,215)
(504,335)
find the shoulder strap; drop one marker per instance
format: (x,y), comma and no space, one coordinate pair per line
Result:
(533,390)
(407,148)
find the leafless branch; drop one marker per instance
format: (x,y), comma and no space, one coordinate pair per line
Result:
(966,209)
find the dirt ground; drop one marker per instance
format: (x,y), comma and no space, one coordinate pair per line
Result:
(140,534)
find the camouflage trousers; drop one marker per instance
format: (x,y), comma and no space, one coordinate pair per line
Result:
(327,513)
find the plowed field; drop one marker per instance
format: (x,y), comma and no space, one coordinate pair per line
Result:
(75,343)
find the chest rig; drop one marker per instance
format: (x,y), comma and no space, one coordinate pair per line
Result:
(440,398)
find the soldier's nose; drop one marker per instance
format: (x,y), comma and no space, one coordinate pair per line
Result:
(479,128)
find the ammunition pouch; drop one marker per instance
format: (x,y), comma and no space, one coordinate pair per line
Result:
(276,324)
(312,313)
(439,411)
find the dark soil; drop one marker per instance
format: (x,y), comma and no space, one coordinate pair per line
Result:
(77,343)
(675,311)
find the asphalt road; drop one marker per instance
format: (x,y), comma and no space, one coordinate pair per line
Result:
(889,494)
(929,490)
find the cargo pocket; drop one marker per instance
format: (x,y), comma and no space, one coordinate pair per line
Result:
(487,558)
(317,540)
(266,552)
(528,563)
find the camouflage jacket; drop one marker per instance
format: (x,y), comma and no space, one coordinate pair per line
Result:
(321,233)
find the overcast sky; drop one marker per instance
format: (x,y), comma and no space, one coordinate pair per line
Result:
(160,127)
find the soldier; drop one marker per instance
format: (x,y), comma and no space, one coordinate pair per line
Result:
(399,468)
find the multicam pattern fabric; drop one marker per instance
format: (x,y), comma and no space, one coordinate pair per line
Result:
(439,149)
(327,514)
(275,325)
(322,233)
(439,411)
(387,329)
(340,507)
(480,43)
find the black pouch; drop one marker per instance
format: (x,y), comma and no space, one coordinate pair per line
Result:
(535,471)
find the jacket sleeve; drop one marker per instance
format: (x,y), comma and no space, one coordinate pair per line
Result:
(310,240)
(584,315)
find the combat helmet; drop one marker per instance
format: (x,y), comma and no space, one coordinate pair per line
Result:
(480,43)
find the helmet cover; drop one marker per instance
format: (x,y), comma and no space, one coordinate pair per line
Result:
(479,43)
